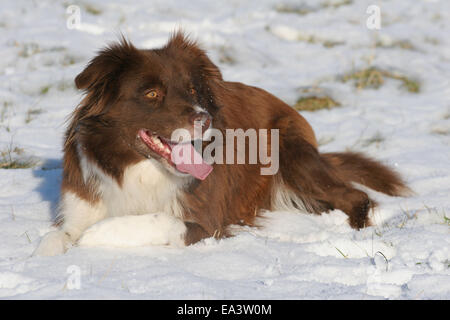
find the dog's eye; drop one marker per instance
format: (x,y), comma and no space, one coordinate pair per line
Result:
(192,91)
(152,94)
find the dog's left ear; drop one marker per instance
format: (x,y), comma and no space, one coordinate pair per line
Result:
(179,44)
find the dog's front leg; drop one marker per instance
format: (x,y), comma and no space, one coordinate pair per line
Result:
(136,230)
(77,215)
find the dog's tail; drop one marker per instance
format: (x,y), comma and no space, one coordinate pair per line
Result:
(355,167)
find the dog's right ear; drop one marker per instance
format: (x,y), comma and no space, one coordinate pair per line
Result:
(94,72)
(105,68)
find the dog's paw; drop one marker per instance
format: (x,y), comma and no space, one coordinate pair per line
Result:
(52,244)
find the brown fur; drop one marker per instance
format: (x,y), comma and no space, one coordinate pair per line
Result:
(107,120)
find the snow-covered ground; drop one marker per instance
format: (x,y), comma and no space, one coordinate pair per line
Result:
(281,46)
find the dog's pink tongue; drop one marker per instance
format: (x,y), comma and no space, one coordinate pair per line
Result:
(188,160)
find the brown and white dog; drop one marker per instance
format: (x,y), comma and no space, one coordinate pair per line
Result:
(117,152)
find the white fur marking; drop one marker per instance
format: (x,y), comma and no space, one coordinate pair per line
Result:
(132,231)
(78,215)
(146,188)
(198,108)
(284,199)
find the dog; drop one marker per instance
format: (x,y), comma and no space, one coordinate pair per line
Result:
(118,151)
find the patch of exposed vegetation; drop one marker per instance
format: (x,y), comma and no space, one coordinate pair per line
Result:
(374,78)
(436,17)
(226,56)
(31,114)
(409,84)
(336,4)
(64,85)
(314,103)
(68,60)
(443,214)
(4,110)
(86,7)
(441,131)
(295,9)
(29,49)
(122,19)
(13,158)
(44,90)
(432,40)
(303,9)
(316,40)
(331,43)
(399,44)
(376,139)
(61,85)
(309,38)
(92,10)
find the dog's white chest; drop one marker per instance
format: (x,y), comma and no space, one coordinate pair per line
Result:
(145,189)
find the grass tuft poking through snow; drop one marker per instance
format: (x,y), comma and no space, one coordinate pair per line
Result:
(315,103)
(13,158)
(374,78)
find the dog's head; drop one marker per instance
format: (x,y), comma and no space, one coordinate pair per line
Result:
(138,98)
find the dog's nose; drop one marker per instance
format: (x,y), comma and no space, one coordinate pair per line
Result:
(203,118)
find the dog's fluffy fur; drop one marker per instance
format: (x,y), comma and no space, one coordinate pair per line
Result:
(108,170)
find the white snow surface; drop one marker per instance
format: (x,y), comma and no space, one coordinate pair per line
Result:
(405,255)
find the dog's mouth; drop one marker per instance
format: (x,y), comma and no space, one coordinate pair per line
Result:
(179,155)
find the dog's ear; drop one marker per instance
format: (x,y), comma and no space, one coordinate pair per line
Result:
(180,44)
(106,65)
(205,75)
(101,77)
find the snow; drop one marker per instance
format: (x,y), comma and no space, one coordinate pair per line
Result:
(405,255)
